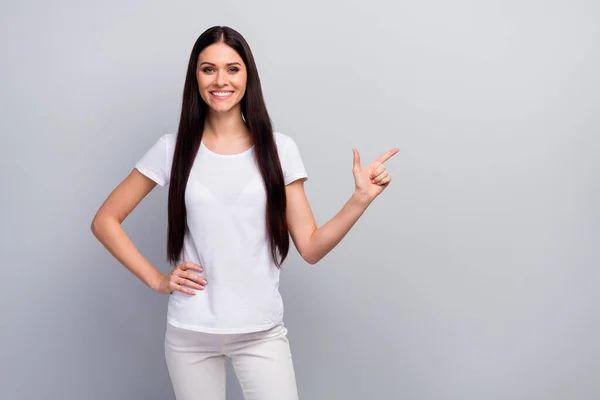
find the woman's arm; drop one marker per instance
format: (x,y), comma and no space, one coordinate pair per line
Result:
(314,243)
(106,226)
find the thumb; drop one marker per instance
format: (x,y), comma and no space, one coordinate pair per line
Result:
(356,159)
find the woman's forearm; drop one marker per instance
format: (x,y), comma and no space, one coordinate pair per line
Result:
(112,236)
(325,238)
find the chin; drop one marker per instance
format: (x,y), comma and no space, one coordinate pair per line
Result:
(220,108)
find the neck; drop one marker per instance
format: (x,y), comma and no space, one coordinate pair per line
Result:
(225,126)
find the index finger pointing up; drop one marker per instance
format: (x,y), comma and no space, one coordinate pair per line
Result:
(387,155)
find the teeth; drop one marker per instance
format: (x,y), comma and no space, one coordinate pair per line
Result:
(222,94)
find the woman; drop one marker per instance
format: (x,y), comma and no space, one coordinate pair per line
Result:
(236,194)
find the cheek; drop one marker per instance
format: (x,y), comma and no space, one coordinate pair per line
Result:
(201,83)
(202,87)
(240,84)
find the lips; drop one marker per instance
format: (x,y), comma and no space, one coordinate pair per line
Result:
(222,95)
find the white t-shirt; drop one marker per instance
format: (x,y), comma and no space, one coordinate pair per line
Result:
(225,201)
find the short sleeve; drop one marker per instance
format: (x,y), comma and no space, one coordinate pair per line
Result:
(155,164)
(292,165)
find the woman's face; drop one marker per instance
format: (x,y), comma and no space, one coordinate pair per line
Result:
(221,76)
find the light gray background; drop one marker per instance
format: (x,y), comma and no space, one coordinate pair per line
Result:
(474,275)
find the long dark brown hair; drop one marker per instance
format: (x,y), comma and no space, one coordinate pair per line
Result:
(189,136)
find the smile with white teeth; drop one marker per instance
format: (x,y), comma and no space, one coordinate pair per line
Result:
(221,94)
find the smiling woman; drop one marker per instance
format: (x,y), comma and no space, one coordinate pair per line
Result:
(221,77)
(236,195)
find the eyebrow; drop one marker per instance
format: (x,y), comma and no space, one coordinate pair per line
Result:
(231,63)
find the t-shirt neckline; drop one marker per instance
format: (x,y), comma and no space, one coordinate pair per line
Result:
(209,151)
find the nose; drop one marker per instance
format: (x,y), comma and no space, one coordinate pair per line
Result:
(220,79)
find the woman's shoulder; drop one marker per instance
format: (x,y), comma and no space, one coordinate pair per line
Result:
(281,140)
(279,136)
(168,141)
(170,138)
(167,138)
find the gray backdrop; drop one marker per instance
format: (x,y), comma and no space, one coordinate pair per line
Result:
(473,276)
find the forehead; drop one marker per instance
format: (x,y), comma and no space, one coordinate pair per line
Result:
(219,53)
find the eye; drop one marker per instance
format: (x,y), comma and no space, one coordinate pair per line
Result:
(205,70)
(234,69)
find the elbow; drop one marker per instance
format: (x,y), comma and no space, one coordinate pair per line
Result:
(307,252)
(310,259)
(98,224)
(95,226)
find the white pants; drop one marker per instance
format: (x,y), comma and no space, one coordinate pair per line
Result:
(262,362)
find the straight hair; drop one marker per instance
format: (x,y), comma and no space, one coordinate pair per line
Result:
(189,137)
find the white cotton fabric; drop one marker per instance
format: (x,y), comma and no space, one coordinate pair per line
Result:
(225,201)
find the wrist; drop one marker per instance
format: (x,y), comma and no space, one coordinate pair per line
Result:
(361,198)
(154,283)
